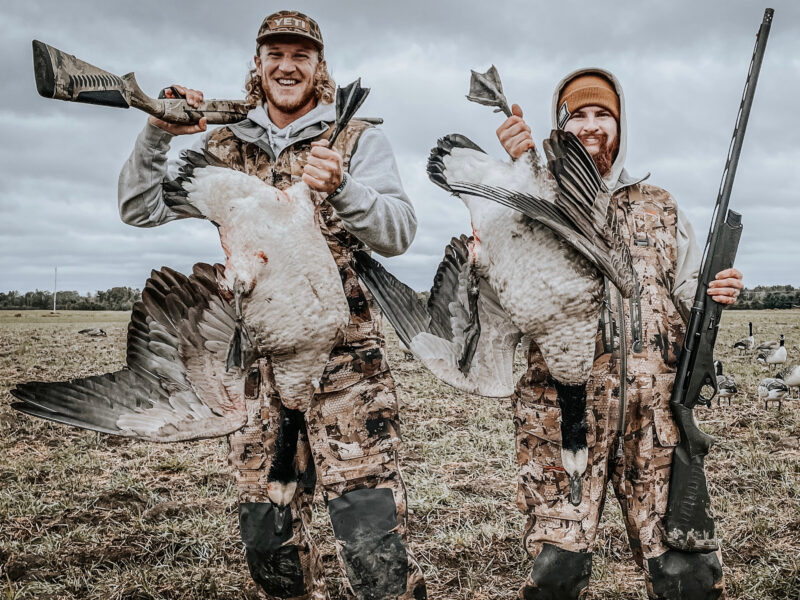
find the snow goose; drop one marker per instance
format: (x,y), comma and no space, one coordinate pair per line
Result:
(772,356)
(772,389)
(726,385)
(745,344)
(534,266)
(192,339)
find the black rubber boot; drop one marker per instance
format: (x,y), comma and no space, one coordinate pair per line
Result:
(558,574)
(677,575)
(375,558)
(276,568)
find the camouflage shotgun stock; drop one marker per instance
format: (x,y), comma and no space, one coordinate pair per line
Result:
(65,77)
(688,523)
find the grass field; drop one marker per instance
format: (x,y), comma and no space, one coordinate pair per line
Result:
(88,516)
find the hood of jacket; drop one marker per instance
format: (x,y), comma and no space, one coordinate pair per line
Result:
(258,129)
(617,177)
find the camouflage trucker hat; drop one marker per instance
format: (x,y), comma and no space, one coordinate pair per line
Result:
(290,22)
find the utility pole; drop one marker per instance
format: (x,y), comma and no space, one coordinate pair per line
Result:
(55,287)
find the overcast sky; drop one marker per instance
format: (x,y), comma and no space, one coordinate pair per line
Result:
(682,65)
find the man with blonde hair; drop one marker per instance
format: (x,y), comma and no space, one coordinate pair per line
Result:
(349,436)
(631,432)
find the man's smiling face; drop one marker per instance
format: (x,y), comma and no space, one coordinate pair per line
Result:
(287,66)
(597,129)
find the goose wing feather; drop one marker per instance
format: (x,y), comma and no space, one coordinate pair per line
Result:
(439,332)
(175,386)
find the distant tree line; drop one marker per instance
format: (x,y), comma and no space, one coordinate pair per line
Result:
(122,298)
(117,298)
(768,296)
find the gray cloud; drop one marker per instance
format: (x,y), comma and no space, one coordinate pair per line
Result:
(682,65)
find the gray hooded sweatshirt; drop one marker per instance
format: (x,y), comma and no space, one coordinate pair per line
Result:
(688,259)
(372,205)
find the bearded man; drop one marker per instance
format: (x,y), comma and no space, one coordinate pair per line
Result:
(630,443)
(350,431)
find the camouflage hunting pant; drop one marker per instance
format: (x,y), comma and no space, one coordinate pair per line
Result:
(639,477)
(349,446)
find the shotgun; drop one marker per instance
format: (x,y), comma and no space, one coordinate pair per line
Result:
(65,77)
(688,523)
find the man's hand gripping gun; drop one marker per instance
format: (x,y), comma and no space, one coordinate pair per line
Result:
(688,523)
(64,77)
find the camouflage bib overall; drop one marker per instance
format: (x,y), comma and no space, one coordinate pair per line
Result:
(639,470)
(351,435)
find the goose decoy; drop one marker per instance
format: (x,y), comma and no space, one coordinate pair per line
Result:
(791,377)
(726,385)
(534,265)
(768,345)
(772,389)
(746,344)
(93,332)
(771,356)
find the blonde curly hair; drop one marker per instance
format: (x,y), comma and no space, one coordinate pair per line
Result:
(324,85)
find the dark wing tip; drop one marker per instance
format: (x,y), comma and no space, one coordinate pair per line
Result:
(444,146)
(174,193)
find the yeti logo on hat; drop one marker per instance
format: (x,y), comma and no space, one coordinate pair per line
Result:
(290,22)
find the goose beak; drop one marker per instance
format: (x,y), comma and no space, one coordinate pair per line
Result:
(575,489)
(283,518)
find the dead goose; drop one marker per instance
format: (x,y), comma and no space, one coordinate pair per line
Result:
(726,385)
(191,339)
(772,389)
(772,356)
(516,276)
(746,344)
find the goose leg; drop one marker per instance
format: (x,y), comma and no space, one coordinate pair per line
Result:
(574,451)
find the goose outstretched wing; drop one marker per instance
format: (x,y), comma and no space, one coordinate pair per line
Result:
(579,212)
(462,335)
(175,386)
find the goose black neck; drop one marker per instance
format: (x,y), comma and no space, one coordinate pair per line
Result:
(572,400)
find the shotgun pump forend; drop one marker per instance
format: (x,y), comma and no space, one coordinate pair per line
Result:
(65,77)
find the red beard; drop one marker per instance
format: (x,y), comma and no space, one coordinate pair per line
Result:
(605,158)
